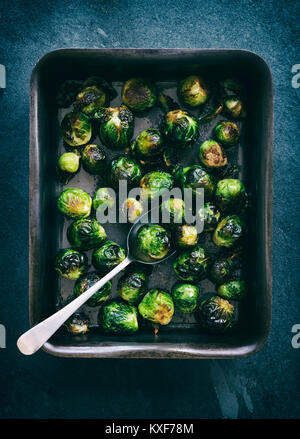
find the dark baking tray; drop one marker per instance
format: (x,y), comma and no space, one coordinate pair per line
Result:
(182,338)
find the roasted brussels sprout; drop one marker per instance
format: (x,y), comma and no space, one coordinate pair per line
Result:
(215,314)
(155,183)
(234,107)
(93,159)
(171,160)
(117,317)
(71,264)
(210,216)
(132,286)
(77,324)
(192,264)
(139,94)
(148,146)
(87,281)
(172,211)
(186,236)
(185,297)
(157,306)
(85,234)
(229,231)
(153,241)
(124,168)
(132,209)
(235,290)
(221,270)
(102,84)
(90,99)
(193,91)
(116,126)
(230,195)
(195,177)
(166,103)
(74,203)
(227,133)
(67,93)
(67,166)
(107,257)
(104,197)
(212,155)
(179,128)
(76,129)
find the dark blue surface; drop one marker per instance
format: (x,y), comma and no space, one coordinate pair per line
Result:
(264,385)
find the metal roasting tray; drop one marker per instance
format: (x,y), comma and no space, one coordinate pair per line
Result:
(182,338)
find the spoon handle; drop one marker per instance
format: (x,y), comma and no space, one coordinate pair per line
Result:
(34,338)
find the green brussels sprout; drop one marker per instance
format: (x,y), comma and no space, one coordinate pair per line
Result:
(132,286)
(153,241)
(117,317)
(172,211)
(67,93)
(230,195)
(212,107)
(71,264)
(139,94)
(90,99)
(155,183)
(210,216)
(116,126)
(227,133)
(229,231)
(76,129)
(193,91)
(234,107)
(186,236)
(67,166)
(215,314)
(107,257)
(87,281)
(221,270)
(171,160)
(235,290)
(157,306)
(180,128)
(74,203)
(212,155)
(85,234)
(148,146)
(124,168)
(105,197)
(93,159)
(101,84)
(195,177)
(132,209)
(192,264)
(166,103)
(77,324)
(185,297)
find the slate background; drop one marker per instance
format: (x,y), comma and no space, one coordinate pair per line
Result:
(265,385)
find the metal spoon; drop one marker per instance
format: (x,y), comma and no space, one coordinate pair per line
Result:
(34,338)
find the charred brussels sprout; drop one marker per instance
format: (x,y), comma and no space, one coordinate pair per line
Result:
(193,91)
(90,99)
(186,236)
(210,216)
(85,234)
(124,168)
(108,256)
(74,203)
(234,107)
(104,197)
(180,128)
(230,195)
(215,314)
(172,211)
(67,166)
(229,231)
(93,159)
(185,297)
(157,306)
(102,84)
(87,281)
(212,155)
(71,264)
(155,183)
(153,241)
(227,133)
(235,290)
(193,264)
(116,126)
(117,317)
(77,324)
(148,146)
(132,209)
(195,177)
(171,160)
(67,93)
(132,286)
(76,129)
(221,270)
(139,94)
